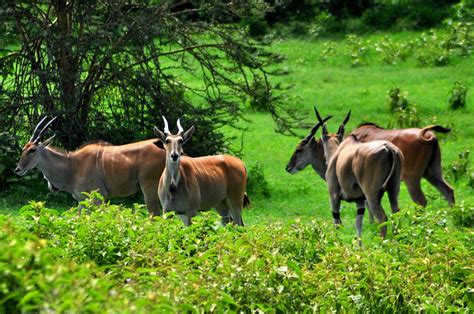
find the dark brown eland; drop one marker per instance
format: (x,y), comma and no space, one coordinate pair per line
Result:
(422,155)
(189,185)
(115,171)
(419,147)
(361,173)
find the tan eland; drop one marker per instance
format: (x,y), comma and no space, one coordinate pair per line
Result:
(361,172)
(116,171)
(189,185)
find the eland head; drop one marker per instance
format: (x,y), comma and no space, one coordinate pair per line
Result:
(32,151)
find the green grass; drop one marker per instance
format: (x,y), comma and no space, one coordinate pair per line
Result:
(335,87)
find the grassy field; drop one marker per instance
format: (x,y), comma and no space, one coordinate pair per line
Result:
(330,82)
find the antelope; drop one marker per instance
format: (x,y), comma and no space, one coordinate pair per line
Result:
(419,147)
(422,154)
(189,185)
(361,173)
(116,171)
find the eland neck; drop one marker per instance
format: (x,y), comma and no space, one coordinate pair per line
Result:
(171,175)
(57,168)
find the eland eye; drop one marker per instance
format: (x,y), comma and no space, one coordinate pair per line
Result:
(32,150)
(180,141)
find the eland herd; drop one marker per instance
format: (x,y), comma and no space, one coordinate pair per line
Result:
(358,168)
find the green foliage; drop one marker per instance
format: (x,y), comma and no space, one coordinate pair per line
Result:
(256,182)
(109,69)
(431,48)
(470,180)
(460,166)
(457,99)
(8,155)
(357,50)
(392,52)
(153,265)
(463,215)
(406,115)
(397,100)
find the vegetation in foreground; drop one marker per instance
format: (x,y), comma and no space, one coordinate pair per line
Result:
(115,259)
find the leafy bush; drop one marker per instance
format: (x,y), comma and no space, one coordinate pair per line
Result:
(431,50)
(257,183)
(470,181)
(457,99)
(396,99)
(8,155)
(357,50)
(406,115)
(459,167)
(50,262)
(463,215)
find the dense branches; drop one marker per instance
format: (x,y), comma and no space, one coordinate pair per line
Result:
(109,69)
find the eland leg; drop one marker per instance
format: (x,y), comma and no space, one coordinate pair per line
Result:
(434,175)
(224,211)
(379,213)
(235,212)
(186,220)
(152,201)
(415,191)
(336,210)
(436,179)
(360,219)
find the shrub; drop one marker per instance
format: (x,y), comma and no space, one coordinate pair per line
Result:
(392,52)
(457,99)
(407,118)
(8,155)
(459,167)
(463,215)
(406,114)
(357,50)
(470,181)
(159,265)
(257,183)
(397,100)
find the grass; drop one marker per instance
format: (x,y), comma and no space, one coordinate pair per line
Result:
(335,87)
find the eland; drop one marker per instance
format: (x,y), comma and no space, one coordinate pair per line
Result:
(361,173)
(189,185)
(115,171)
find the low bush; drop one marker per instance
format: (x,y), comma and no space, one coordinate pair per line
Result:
(463,215)
(257,184)
(457,97)
(116,259)
(460,166)
(397,100)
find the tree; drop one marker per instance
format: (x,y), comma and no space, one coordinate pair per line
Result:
(110,69)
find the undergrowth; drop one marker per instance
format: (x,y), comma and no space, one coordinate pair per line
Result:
(115,259)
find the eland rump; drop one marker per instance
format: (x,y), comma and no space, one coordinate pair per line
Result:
(189,185)
(116,171)
(361,172)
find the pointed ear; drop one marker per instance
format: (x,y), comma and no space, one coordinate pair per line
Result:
(48,141)
(187,135)
(159,144)
(340,133)
(160,135)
